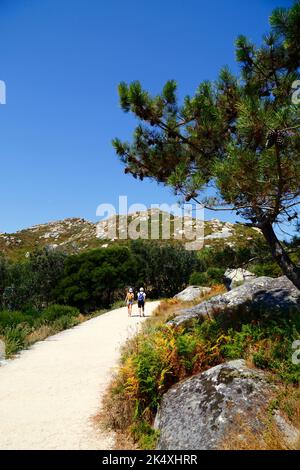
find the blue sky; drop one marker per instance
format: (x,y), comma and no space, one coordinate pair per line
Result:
(62,60)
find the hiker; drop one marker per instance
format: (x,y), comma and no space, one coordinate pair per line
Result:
(129,300)
(141,301)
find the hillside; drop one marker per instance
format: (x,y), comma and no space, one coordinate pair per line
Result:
(75,234)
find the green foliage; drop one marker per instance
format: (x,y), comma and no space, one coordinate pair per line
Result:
(270,269)
(64,322)
(13,318)
(55,312)
(47,267)
(18,293)
(198,279)
(144,435)
(212,263)
(162,269)
(162,355)
(91,278)
(208,278)
(3,275)
(30,284)
(16,327)
(14,338)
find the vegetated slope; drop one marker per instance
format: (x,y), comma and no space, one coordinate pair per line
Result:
(74,235)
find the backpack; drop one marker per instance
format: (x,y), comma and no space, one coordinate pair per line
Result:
(141,296)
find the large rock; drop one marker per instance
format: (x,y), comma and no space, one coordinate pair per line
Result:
(263,295)
(202,411)
(236,277)
(192,293)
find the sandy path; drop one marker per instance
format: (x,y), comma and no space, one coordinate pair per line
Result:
(50,392)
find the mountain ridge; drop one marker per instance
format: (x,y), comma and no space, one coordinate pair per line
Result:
(76,234)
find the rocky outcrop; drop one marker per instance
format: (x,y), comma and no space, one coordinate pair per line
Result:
(152,223)
(203,411)
(259,296)
(236,277)
(192,293)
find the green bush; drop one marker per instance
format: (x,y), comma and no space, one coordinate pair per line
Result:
(56,311)
(161,356)
(164,269)
(30,283)
(65,322)
(91,278)
(198,279)
(208,278)
(215,275)
(12,319)
(144,434)
(270,269)
(15,339)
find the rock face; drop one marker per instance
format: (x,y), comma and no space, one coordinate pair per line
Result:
(236,277)
(200,412)
(192,293)
(260,295)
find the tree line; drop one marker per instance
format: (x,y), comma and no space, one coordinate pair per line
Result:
(95,278)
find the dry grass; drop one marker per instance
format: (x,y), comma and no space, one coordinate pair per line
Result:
(110,416)
(246,439)
(169,308)
(39,334)
(289,403)
(42,332)
(122,439)
(270,437)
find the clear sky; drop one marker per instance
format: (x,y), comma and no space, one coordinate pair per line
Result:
(62,60)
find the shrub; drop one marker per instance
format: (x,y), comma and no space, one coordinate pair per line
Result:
(12,319)
(198,279)
(144,434)
(65,322)
(208,278)
(56,311)
(91,278)
(162,355)
(15,339)
(270,269)
(164,269)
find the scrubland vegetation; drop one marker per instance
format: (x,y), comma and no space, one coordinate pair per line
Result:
(161,355)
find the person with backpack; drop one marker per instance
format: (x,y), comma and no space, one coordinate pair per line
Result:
(141,301)
(129,299)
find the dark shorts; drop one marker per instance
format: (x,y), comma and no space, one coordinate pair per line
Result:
(141,304)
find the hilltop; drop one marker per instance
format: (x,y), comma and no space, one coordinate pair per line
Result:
(74,235)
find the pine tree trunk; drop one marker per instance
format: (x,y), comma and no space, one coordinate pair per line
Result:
(279,254)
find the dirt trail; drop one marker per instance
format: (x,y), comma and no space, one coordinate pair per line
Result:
(49,394)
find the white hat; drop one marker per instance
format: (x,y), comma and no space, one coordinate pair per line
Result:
(141,289)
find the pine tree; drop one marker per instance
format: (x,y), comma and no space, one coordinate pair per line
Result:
(239,134)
